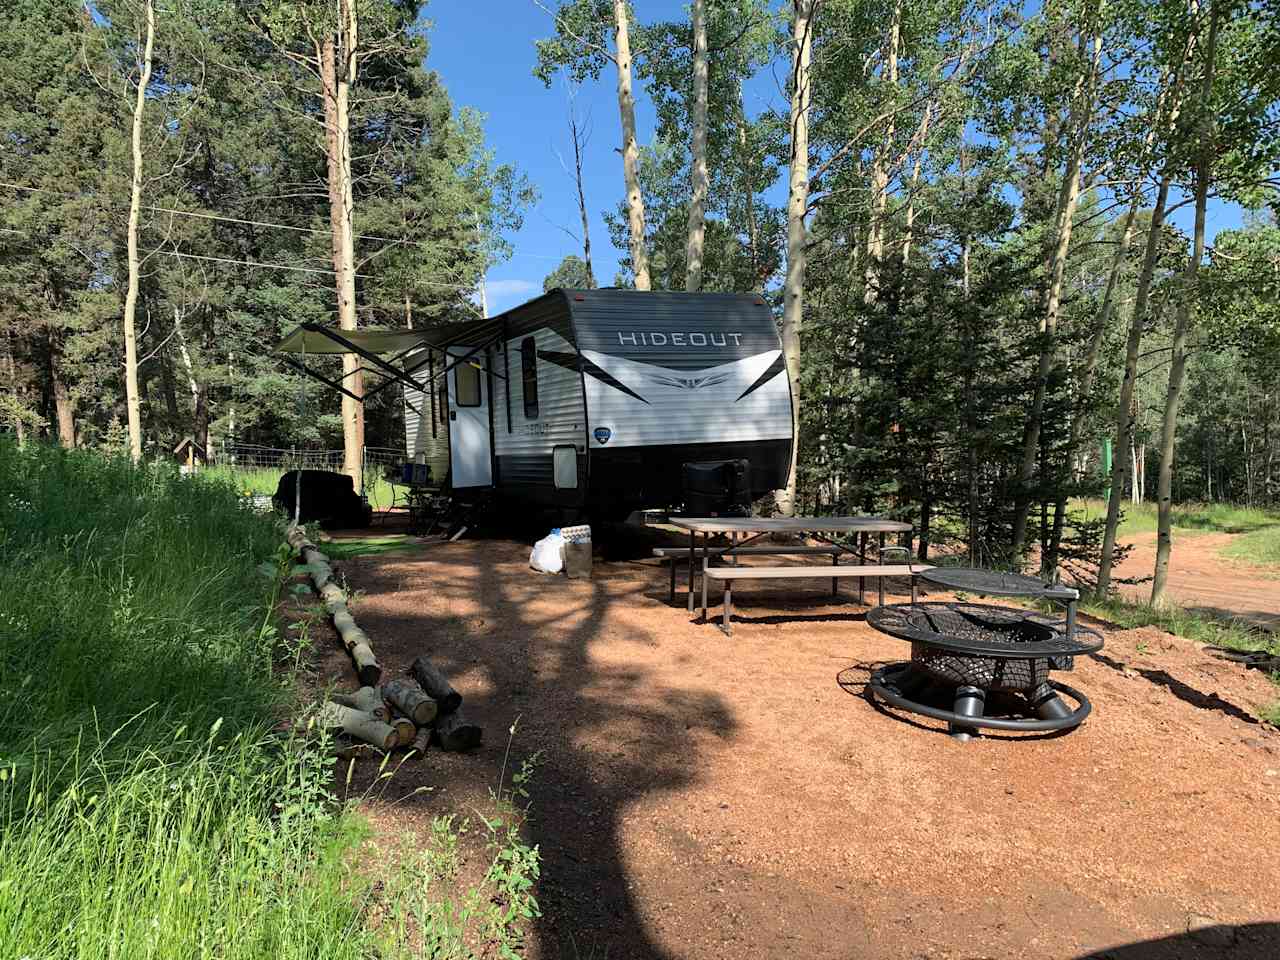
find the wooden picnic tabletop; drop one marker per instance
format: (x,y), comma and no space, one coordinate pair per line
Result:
(790,525)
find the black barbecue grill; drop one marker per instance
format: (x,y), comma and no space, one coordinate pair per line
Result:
(972,656)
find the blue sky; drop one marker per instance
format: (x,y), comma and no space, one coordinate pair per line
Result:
(483,49)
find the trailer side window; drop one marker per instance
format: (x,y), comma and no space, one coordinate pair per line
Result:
(467,384)
(529,377)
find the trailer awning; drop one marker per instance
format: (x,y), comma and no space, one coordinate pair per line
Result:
(406,351)
(313,338)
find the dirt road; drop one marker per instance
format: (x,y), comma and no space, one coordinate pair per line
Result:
(1200,578)
(700,797)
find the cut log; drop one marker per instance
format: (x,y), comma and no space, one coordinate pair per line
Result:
(436,684)
(333,598)
(367,669)
(357,723)
(422,741)
(335,603)
(455,732)
(405,731)
(369,699)
(409,700)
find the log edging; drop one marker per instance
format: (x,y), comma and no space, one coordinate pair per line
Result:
(400,713)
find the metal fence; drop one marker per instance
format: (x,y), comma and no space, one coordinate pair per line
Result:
(252,456)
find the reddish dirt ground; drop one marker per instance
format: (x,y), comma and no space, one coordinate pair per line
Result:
(1200,578)
(705,797)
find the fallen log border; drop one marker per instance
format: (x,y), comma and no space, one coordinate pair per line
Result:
(403,713)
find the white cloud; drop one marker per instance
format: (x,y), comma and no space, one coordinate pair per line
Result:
(504,294)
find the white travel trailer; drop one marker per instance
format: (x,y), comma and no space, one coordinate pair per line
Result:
(595,400)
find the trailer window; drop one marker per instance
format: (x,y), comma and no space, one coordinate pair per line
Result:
(529,377)
(467,384)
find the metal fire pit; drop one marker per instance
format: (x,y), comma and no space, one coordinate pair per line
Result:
(967,651)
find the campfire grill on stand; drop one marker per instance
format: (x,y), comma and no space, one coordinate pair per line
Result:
(974,655)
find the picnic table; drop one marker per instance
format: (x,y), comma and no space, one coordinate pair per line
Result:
(823,529)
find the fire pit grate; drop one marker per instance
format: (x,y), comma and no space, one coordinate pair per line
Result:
(972,650)
(982,630)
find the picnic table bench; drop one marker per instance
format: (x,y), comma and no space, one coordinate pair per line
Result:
(818,528)
(727,575)
(676,554)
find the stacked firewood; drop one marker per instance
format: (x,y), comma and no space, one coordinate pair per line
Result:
(409,712)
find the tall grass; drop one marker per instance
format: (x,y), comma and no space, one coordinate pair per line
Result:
(144,810)
(263,480)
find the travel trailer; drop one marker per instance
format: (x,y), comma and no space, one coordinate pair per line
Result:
(595,399)
(591,400)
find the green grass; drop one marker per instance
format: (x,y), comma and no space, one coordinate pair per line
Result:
(1221,632)
(1260,547)
(346,548)
(1188,517)
(146,808)
(263,480)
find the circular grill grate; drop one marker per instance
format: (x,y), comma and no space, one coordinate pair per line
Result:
(982,630)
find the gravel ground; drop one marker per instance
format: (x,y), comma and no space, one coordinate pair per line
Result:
(705,797)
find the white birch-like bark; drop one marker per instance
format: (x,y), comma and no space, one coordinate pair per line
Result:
(797,204)
(911,189)
(879,175)
(338,68)
(1079,122)
(630,152)
(1182,326)
(132,400)
(698,164)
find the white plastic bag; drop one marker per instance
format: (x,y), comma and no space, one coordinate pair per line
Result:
(548,553)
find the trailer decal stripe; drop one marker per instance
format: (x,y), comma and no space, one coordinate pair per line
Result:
(778,365)
(571,362)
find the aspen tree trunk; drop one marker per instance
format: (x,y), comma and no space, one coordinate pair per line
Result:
(1092,354)
(698,163)
(1124,421)
(63,405)
(338,71)
(1182,325)
(134,405)
(749,191)
(1078,129)
(630,152)
(197,399)
(880,174)
(797,203)
(915,180)
(1170,109)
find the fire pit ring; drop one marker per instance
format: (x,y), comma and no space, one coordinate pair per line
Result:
(979,649)
(884,682)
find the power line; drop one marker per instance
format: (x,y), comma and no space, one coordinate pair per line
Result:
(268,224)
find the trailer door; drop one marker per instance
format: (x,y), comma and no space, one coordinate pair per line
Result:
(470,438)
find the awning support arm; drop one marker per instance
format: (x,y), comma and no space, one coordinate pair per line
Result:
(331,384)
(373,358)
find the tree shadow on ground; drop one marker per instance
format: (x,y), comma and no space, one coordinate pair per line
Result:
(1183,691)
(610,735)
(1250,941)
